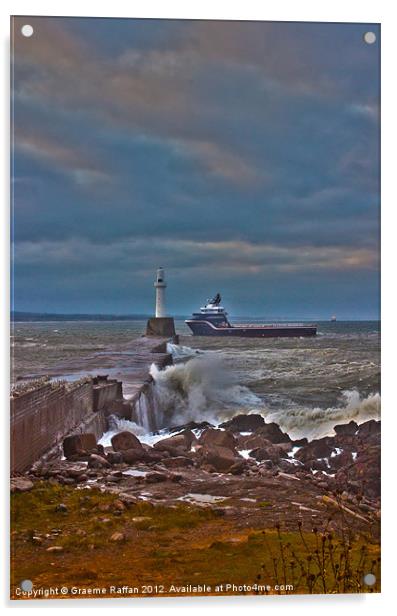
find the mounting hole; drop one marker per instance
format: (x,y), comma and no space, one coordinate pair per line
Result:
(27,585)
(369,579)
(27,30)
(370,38)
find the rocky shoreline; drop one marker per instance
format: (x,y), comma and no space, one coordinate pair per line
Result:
(239,503)
(236,466)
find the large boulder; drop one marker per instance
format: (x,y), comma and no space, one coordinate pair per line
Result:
(272,452)
(244,423)
(79,444)
(346,429)
(219,438)
(221,459)
(95,461)
(176,444)
(273,433)
(369,428)
(320,448)
(115,457)
(252,441)
(125,440)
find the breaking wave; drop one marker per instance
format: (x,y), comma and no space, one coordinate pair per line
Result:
(203,388)
(317,422)
(200,389)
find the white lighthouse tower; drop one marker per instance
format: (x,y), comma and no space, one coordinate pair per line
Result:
(160,286)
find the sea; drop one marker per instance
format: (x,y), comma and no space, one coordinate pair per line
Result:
(305,385)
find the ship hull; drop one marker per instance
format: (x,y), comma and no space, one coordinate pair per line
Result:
(204,328)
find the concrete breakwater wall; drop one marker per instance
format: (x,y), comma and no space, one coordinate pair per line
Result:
(41,417)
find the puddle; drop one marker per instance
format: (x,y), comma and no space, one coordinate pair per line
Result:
(135,473)
(207,499)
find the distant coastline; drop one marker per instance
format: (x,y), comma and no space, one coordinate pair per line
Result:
(50,316)
(19,316)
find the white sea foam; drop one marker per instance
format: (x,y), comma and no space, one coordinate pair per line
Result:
(203,388)
(317,422)
(119,424)
(200,389)
(178,351)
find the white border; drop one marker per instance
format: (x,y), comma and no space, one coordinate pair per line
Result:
(283,10)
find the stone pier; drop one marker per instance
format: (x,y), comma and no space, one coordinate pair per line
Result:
(45,412)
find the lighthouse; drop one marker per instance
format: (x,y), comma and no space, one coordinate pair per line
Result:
(160,286)
(160,325)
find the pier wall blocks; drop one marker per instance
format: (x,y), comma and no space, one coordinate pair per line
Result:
(105,392)
(42,417)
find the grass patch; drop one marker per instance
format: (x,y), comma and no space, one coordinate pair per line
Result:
(169,545)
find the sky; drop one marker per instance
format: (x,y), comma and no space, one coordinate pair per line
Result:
(243,157)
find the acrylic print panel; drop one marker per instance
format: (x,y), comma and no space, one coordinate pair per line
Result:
(195,404)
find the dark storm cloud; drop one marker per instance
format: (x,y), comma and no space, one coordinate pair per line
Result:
(234,153)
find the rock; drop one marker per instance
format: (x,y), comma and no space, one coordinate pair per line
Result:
(189,437)
(272,433)
(289,467)
(344,458)
(155,477)
(74,471)
(156,456)
(238,467)
(117,537)
(244,423)
(61,508)
(55,548)
(301,442)
(37,539)
(348,429)
(20,484)
(222,459)
(119,505)
(130,456)
(266,465)
(192,425)
(218,438)
(96,461)
(175,477)
(368,428)
(66,481)
(318,464)
(79,444)
(320,448)
(273,453)
(112,479)
(364,474)
(252,441)
(125,440)
(115,457)
(178,462)
(176,444)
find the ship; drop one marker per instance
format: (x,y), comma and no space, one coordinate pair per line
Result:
(212,320)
